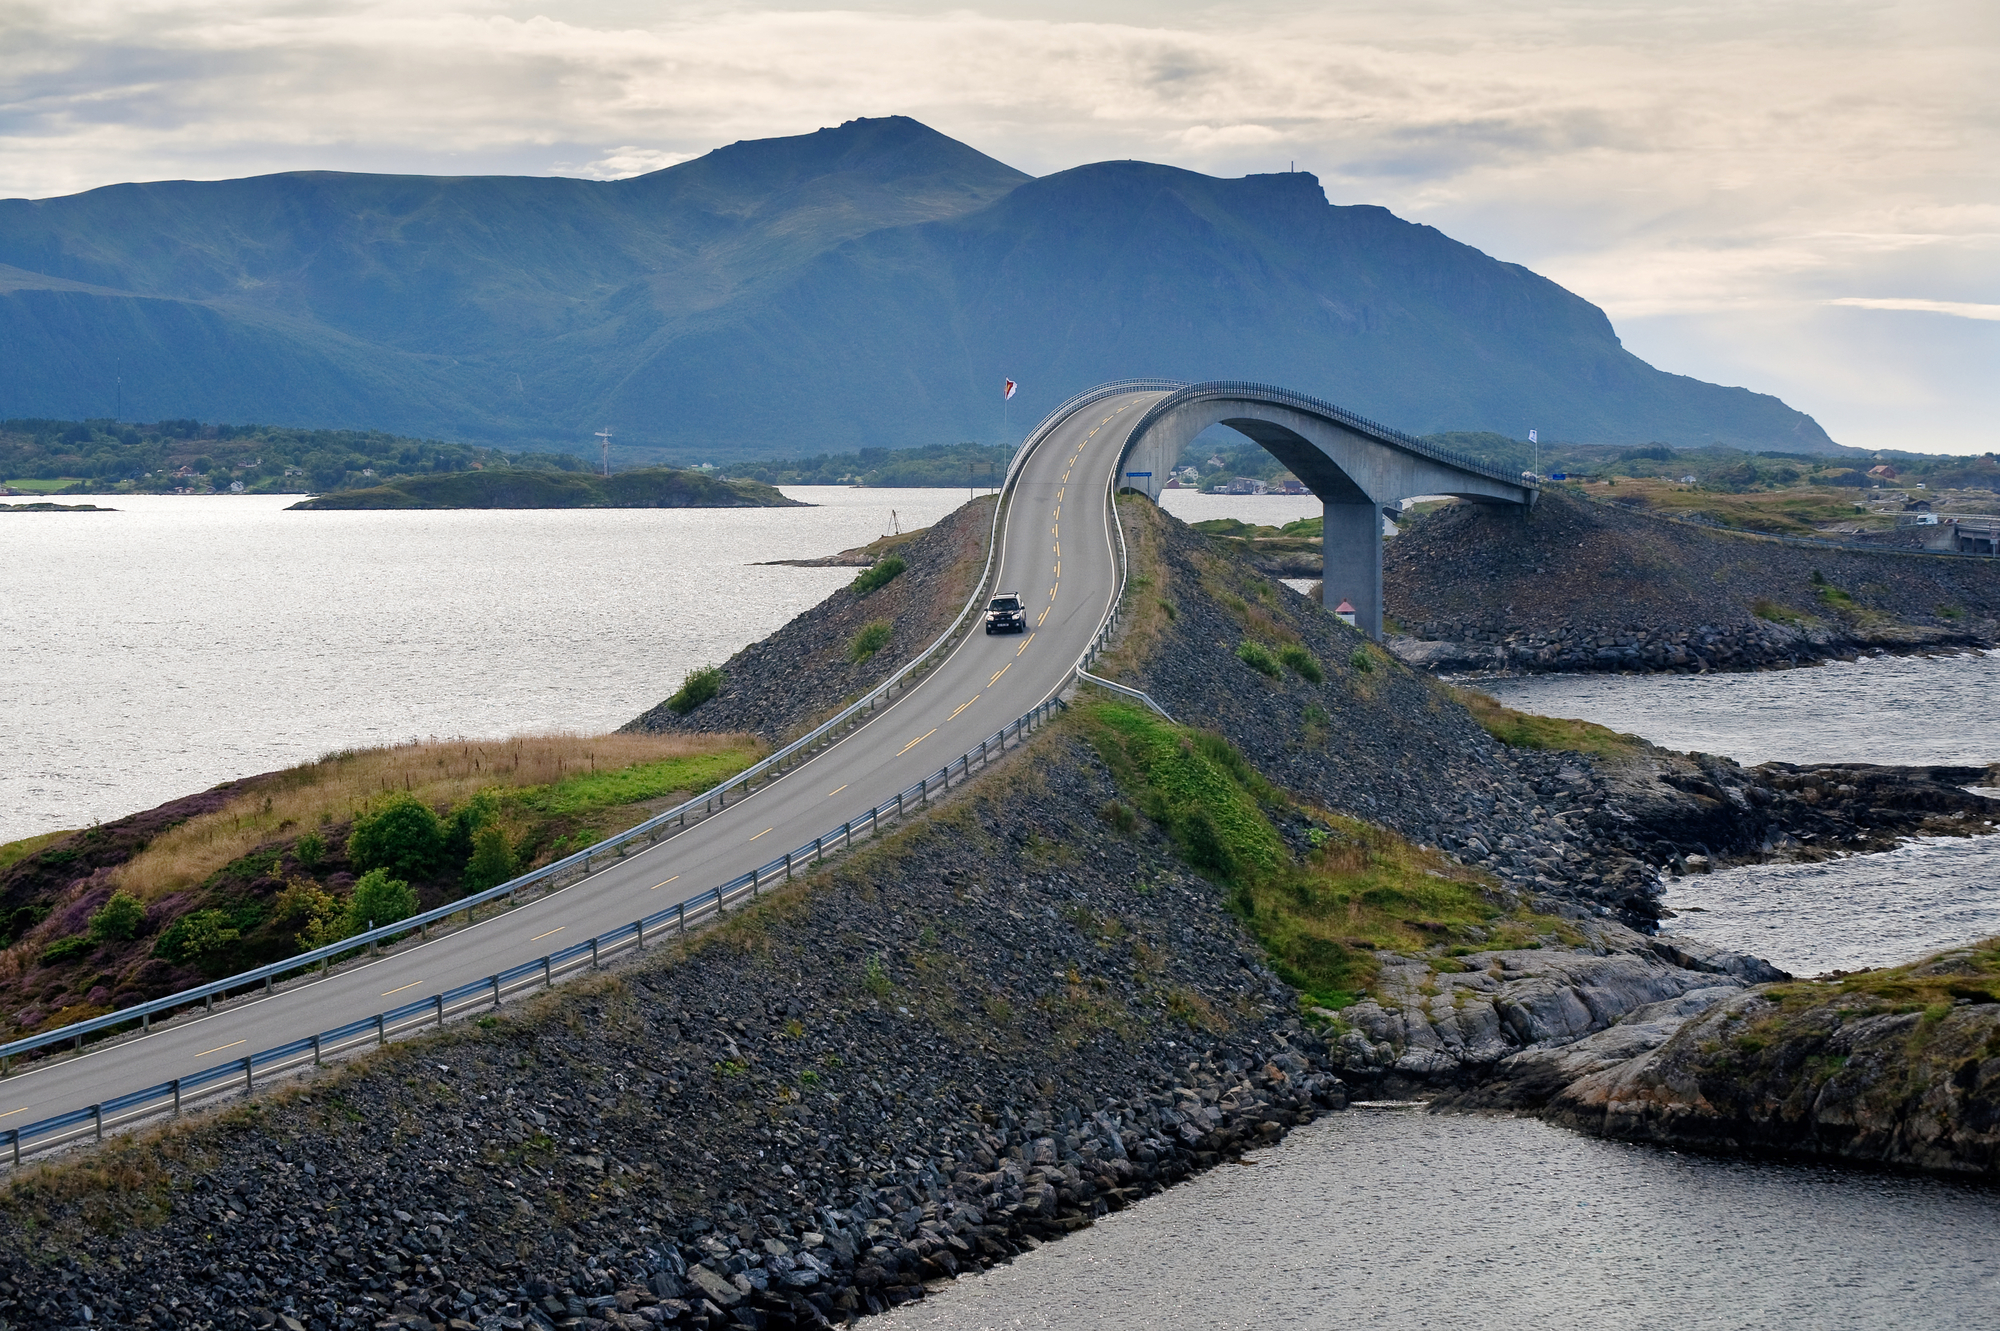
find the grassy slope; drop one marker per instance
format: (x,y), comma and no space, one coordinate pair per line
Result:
(1322,902)
(276,834)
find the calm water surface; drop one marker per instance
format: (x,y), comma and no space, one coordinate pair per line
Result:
(1890,709)
(1395,1219)
(185,640)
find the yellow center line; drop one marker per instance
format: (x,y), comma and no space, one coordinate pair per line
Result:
(1058,512)
(1002,670)
(539,937)
(1052,592)
(1022,648)
(760,834)
(218,1049)
(401,987)
(1059,568)
(657,886)
(1039,618)
(10,1113)
(835,791)
(918,740)
(969,701)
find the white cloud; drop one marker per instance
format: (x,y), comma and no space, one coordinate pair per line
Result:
(1963,309)
(630,160)
(1700,161)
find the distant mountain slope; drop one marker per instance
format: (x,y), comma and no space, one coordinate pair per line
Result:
(860,286)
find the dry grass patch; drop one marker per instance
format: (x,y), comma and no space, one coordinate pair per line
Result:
(332,790)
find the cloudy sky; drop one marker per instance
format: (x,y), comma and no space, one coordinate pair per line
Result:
(1799,196)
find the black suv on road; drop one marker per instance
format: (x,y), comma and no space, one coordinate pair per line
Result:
(1007,614)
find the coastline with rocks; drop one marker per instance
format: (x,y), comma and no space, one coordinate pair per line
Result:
(1033,1004)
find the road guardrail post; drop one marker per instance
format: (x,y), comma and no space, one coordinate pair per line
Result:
(381,1030)
(97,1120)
(682,909)
(496,991)
(639,927)
(788,866)
(315,1051)
(177,1100)
(14,1138)
(246,1074)
(440,1009)
(548,973)
(593,954)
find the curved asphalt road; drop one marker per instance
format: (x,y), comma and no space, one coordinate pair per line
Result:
(1057,552)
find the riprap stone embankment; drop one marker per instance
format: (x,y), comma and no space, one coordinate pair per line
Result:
(1583,586)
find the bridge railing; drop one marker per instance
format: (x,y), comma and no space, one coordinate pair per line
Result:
(1339,415)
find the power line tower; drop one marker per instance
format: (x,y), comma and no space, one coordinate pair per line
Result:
(605,435)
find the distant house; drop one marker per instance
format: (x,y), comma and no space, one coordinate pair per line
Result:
(1689,480)
(1885,472)
(1245,485)
(1294,486)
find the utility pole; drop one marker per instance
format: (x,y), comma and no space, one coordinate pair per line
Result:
(605,435)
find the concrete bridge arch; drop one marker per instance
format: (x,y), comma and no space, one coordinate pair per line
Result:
(1355,466)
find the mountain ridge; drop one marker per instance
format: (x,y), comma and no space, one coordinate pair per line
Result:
(871,284)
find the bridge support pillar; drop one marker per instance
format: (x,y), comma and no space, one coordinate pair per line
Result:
(1352,571)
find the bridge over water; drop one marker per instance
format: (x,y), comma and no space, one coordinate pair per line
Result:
(1357,468)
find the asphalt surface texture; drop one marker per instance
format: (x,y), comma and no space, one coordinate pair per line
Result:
(1057,551)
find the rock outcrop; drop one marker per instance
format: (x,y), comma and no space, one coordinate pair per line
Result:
(1898,1068)
(1453,1024)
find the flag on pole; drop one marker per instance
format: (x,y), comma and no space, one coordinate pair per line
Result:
(1007,392)
(1534,438)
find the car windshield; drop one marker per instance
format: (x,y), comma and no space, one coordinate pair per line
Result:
(1006,603)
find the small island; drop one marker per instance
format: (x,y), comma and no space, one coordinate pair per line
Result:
(45,506)
(648,487)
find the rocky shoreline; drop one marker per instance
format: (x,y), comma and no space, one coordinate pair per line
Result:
(1019,1012)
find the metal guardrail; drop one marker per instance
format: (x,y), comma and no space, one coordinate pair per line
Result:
(173,1096)
(1340,415)
(63,1129)
(651,831)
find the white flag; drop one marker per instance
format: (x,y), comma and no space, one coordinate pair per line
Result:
(1534,438)
(1007,392)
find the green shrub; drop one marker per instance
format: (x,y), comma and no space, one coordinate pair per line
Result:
(66,949)
(872,638)
(1119,816)
(1361,660)
(378,900)
(403,835)
(878,575)
(492,861)
(118,919)
(465,823)
(1302,662)
(317,916)
(197,936)
(695,690)
(875,979)
(309,850)
(1258,657)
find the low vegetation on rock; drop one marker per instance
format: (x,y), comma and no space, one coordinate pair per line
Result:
(878,575)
